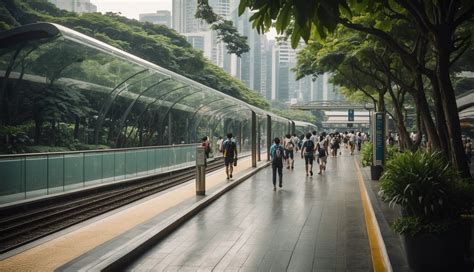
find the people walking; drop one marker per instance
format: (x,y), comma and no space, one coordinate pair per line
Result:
(230,155)
(307,151)
(207,146)
(277,153)
(322,155)
(219,145)
(289,147)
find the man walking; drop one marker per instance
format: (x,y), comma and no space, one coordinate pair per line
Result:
(276,153)
(230,155)
(307,150)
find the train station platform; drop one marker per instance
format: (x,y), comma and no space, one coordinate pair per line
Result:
(328,222)
(310,224)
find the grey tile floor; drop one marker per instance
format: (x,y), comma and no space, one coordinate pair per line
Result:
(312,224)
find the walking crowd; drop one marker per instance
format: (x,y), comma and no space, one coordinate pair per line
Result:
(311,147)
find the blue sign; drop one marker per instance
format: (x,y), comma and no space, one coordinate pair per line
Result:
(350,115)
(379,139)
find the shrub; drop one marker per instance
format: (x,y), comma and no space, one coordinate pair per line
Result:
(366,151)
(428,190)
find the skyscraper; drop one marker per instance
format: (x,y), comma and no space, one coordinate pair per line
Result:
(80,6)
(185,23)
(162,17)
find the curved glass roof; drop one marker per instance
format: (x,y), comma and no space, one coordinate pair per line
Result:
(65,56)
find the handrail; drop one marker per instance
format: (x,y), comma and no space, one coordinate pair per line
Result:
(6,156)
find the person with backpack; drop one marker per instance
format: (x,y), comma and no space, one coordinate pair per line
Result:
(230,155)
(277,154)
(307,150)
(289,146)
(322,155)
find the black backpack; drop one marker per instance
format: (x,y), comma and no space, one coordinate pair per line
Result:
(309,146)
(278,154)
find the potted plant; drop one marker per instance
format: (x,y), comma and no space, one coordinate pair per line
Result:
(432,199)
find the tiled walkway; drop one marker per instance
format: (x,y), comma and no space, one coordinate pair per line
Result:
(312,224)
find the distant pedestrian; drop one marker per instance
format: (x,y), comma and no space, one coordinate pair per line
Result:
(289,147)
(277,153)
(307,151)
(207,146)
(219,145)
(230,155)
(322,155)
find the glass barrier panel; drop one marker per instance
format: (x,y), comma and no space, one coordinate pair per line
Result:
(73,171)
(142,162)
(119,165)
(108,166)
(55,174)
(36,176)
(12,179)
(93,168)
(131,163)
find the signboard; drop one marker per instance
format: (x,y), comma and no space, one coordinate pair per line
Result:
(350,115)
(378,138)
(200,156)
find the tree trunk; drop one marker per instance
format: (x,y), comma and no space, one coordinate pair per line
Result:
(76,127)
(422,103)
(38,130)
(439,114)
(443,46)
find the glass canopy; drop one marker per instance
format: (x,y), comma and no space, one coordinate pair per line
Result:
(59,87)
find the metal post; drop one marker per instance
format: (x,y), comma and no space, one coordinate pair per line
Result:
(169,128)
(241,124)
(269,135)
(293,127)
(254,139)
(259,139)
(200,171)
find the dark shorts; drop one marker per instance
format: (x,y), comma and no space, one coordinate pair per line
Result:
(228,160)
(308,159)
(289,154)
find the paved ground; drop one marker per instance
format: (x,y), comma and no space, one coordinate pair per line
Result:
(311,224)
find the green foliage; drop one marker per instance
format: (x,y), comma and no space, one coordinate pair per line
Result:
(298,115)
(44,149)
(226,32)
(15,139)
(155,43)
(366,151)
(427,188)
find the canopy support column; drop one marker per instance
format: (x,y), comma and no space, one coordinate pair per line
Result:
(259,140)
(254,139)
(269,136)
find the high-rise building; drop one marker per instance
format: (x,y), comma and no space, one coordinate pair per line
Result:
(80,6)
(162,17)
(283,81)
(185,23)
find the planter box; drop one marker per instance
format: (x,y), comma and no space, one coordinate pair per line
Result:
(435,252)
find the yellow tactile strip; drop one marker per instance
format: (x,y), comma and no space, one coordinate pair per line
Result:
(378,251)
(53,254)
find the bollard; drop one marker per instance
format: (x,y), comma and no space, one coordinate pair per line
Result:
(200,171)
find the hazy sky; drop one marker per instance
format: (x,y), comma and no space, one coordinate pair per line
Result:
(131,8)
